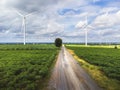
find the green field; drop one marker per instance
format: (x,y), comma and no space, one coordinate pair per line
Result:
(107,59)
(25,67)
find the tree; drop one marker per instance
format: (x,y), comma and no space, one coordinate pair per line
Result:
(58,42)
(116,47)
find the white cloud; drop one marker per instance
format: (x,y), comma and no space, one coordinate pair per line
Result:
(47,22)
(51,27)
(107,20)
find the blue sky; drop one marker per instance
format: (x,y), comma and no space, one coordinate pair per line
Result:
(60,18)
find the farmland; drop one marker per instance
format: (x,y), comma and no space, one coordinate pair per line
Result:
(25,67)
(106,59)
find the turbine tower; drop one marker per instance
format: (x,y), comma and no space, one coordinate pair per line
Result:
(86,30)
(24,24)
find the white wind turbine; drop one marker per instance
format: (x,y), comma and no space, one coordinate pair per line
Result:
(24,23)
(84,25)
(86,30)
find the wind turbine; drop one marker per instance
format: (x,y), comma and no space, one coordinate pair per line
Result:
(24,23)
(83,25)
(86,30)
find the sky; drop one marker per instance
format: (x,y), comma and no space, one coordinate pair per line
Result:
(66,19)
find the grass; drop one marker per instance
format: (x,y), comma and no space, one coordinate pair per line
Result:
(102,63)
(27,47)
(97,46)
(25,67)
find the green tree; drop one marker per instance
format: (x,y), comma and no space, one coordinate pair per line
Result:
(58,42)
(116,47)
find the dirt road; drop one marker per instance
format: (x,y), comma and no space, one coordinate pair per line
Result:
(68,75)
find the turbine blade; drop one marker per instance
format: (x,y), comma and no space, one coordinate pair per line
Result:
(89,26)
(18,12)
(22,25)
(86,20)
(30,14)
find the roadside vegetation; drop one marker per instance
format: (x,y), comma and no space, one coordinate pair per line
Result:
(25,67)
(102,63)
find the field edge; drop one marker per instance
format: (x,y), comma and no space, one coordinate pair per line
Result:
(46,84)
(94,71)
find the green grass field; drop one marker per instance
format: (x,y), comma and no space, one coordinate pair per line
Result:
(107,59)
(25,67)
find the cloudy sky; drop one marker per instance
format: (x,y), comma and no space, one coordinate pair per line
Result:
(66,19)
